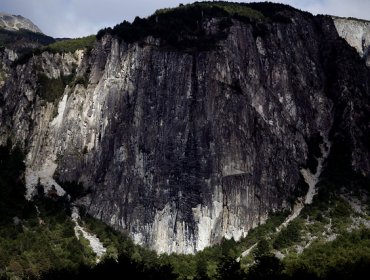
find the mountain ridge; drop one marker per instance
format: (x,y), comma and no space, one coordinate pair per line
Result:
(17,22)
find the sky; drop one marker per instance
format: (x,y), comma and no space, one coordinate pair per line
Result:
(77,18)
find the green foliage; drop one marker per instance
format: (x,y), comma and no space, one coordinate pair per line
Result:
(289,235)
(45,244)
(266,267)
(81,80)
(2,75)
(18,39)
(321,202)
(263,248)
(276,12)
(62,46)
(182,27)
(31,244)
(25,55)
(42,242)
(341,210)
(122,258)
(25,42)
(230,269)
(232,9)
(238,10)
(345,258)
(12,190)
(340,215)
(115,242)
(185,266)
(71,45)
(262,231)
(123,267)
(50,89)
(218,261)
(328,206)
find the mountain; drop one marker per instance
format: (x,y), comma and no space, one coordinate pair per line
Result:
(356,33)
(187,136)
(197,123)
(16,23)
(20,35)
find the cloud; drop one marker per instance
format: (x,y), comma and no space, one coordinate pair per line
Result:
(345,8)
(76,18)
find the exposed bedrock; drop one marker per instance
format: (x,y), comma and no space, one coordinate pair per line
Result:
(183,147)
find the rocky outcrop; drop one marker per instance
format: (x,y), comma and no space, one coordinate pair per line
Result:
(182,147)
(17,22)
(357,33)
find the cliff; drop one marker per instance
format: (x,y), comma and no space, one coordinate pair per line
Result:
(183,143)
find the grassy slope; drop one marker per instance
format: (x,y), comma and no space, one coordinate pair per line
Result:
(71,45)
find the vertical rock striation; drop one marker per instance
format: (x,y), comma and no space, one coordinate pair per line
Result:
(183,147)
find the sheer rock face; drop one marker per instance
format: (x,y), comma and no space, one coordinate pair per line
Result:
(182,148)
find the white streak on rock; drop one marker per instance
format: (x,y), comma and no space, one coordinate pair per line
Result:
(311,180)
(95,244)
(247,252)
(44,176)
(57,121)
(206,220)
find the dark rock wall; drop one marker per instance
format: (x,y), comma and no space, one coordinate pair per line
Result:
(181,148)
